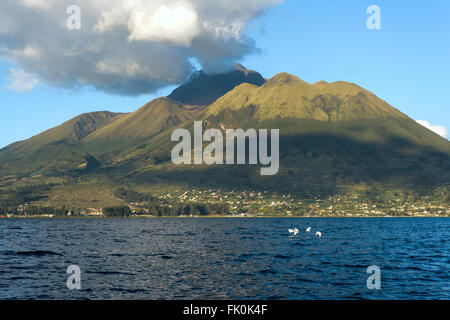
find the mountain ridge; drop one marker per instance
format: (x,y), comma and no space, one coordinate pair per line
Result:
(56,146)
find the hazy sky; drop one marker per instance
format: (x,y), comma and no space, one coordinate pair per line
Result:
(49,74)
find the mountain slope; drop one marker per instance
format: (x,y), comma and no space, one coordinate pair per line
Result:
(287,96)
(329,106)
(133,129)
(57,148)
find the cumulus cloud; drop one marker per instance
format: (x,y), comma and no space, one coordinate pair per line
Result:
(126,47)
(440,130)
(21,81)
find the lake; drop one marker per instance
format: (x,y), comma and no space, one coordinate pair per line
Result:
(225,258)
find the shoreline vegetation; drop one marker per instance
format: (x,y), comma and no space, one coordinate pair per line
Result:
(212,217)
(216,203)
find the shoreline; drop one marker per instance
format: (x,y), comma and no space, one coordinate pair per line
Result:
(216,217)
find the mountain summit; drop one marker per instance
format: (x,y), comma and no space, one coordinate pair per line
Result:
(203,88)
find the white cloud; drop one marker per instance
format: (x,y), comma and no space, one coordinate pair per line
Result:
(440,130)
(27,52)
(22,81)
(126,47)
(38,4)
(177,25)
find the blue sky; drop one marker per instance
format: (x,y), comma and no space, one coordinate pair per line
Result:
(406,63)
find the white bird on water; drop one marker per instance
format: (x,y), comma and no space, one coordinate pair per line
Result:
(293,231)
(308,229)
(318,234)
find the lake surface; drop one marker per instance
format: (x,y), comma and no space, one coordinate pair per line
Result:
(225,258)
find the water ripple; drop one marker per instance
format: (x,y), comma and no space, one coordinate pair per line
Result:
(224,258)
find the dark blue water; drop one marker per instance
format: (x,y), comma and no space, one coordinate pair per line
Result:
(225,258)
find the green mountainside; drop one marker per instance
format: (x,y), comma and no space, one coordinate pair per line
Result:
(133,129)
(335,139)
(330,107)
(55,149)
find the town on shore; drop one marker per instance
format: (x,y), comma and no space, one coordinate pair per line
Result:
(183,202)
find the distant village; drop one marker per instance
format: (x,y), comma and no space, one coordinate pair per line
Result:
(265,203)
(262,204)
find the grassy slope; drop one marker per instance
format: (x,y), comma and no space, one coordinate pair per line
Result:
(133,130)
(333,108)
(54,149)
